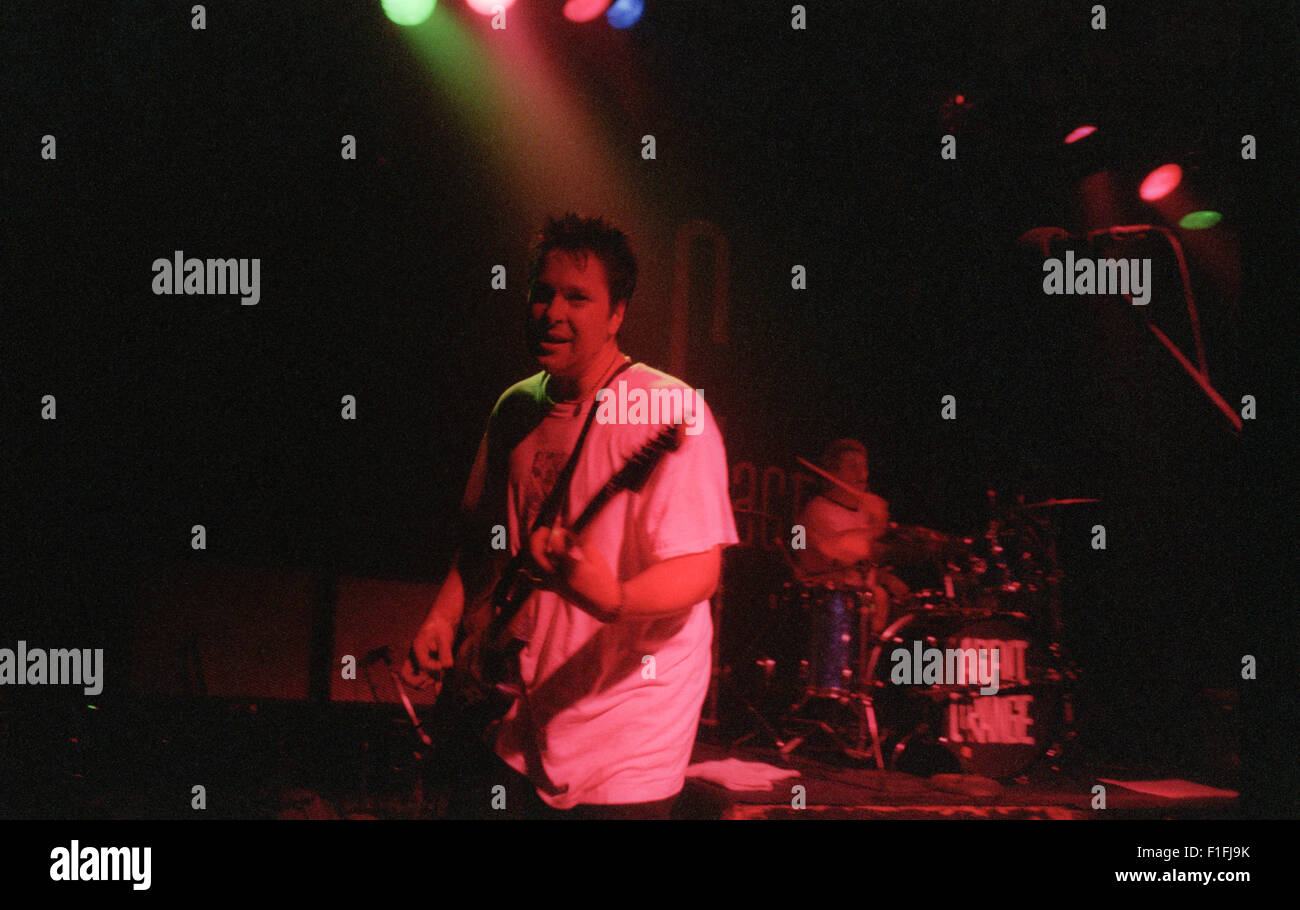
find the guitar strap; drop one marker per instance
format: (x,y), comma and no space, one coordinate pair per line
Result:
(559,492)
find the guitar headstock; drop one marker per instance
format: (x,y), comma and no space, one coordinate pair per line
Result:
(637,471)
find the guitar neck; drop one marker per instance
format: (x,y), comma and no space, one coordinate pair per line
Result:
(519,578)
(593,508)
(632,476)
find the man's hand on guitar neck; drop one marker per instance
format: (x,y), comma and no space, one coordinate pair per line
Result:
(578,574)
(581,575)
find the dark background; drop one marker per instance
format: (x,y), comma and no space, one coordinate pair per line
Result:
(819,148)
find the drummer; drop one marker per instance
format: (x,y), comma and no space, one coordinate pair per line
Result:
(842,529)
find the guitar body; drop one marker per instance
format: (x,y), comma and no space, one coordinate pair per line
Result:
(484,679)
(485,640)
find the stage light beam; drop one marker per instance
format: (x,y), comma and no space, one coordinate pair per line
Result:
(1161,182)
(408,12)
(625,13)
(1199,221)
(584,10)
(488,7)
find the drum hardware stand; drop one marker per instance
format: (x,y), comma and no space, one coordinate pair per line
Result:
(720,673)
(710,717)
(421,753)
(763,726)
(1067,733)
(922,730)
(864,711)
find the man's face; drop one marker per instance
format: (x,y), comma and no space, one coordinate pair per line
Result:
(853,470)
(569,314)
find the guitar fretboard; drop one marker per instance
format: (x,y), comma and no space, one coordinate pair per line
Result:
(631,475)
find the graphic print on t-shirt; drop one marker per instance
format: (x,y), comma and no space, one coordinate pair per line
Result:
(546,468)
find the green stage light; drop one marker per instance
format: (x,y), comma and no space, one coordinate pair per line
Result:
(1195,221)
(408,12)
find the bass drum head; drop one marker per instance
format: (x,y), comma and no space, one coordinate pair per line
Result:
(932,684)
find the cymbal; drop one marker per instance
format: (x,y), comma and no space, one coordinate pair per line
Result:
(913,543)
(1048,503)
(918,533)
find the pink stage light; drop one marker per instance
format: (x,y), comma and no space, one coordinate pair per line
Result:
(1161,182)
(584,10)
(1078,133)
(487,7)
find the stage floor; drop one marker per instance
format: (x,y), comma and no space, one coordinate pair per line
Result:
(834,789)
(288,760)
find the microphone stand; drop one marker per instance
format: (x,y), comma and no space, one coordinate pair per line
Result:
(1044,237)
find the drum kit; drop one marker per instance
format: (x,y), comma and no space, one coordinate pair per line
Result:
(823,661)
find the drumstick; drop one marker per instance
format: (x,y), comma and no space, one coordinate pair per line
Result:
(861,495)
(832,478)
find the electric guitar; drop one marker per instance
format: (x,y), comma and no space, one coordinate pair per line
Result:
(486,650)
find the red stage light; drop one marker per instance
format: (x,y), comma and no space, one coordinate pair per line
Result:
(960,99)
(1078,133)
(1161,182)
(585,10)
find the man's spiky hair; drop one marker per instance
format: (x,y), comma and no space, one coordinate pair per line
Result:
(578,236)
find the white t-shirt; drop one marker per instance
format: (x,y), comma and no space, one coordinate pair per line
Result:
(826,518)
(599,723)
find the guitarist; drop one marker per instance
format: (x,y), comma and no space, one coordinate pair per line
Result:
(618,631)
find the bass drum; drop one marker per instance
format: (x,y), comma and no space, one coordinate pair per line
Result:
(982,685)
